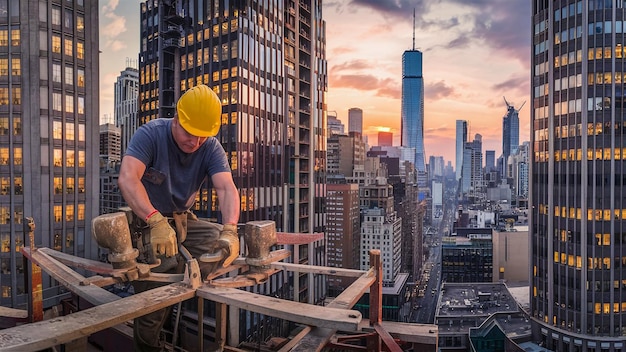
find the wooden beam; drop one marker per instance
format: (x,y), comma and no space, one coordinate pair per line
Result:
(302,313)
(319,337)
(69,278)
(324,270)
(53,332)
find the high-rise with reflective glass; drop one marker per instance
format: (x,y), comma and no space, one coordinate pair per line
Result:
(578,175)
(266,61)
(49,127)
(412,114)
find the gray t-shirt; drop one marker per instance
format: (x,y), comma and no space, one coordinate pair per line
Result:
(173,178)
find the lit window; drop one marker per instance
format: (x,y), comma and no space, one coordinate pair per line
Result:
(69,103)
(81,132)
(58,211)
(4,67)
(58,185)
(81,77)
(81,212)
(69,47)
(4,37)
(56,44)
(69,212)
(80,51)
(69,131)
(80,24)
(4,156)
(4,96)
(81,158)
(15,37)
(81,185)
(4,126)
(16,67)
(17,156)
(57,130)
(69,182)
(58,157)
(69,158)
(17,96)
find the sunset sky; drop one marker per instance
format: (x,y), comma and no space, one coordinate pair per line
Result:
(475,53)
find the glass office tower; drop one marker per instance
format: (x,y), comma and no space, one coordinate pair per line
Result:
(413,106)
(578,175)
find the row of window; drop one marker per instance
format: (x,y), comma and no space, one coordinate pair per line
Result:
(68,47)
(592,214)
(69,135)
(71,158)
(577,155)
(69,75)
(68,182)
(68,19)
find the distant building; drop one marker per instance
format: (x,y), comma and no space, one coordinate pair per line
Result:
(125,103)
(490,161)
(511,256)
(385,139)
(510,131)
(355,120)
(343,233)
(335,126)
(467,256)
(412,110)
(461,138)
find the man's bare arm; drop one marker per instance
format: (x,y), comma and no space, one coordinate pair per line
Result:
(228,196)
(133,191)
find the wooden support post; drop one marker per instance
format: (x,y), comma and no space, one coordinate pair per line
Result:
(35,286)
(220,324)
(376,300)
(200,324)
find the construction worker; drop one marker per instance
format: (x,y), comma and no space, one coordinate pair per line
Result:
(166,163)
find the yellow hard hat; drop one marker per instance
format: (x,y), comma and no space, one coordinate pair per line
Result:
(200,111)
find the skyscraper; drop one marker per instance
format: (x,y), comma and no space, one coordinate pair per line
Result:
(510,131)
(49,127)
(412,114)
(577,204)
(355,120)
(125,101)
(461,138)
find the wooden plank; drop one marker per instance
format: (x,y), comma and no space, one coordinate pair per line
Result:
(318,337)
(70,279)
(13,313)
(52,332)
(324,270)
(308,314)
(82,263)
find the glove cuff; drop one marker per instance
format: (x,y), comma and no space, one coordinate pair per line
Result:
(155,219)
(230,227)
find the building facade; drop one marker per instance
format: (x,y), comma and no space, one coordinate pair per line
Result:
(125,104)
(355,120)
(49,106)
(412,109)
(577,203)
(461,138)
(510,131)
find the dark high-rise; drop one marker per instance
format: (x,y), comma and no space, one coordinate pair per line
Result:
(49,126)
(412,119)
(577,175)
(510,132)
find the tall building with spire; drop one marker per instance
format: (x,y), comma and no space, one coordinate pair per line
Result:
(125,103)
(461,138)
(578,166)
(510,132)
(412,114)
(49,128)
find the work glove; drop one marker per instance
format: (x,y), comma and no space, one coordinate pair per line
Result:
(162,236)
(229,242)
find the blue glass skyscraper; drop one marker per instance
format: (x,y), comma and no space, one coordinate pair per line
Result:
(413,106)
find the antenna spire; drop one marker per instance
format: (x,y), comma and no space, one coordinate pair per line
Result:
(413,28)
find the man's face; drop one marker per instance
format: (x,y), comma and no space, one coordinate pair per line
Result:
(186,142)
